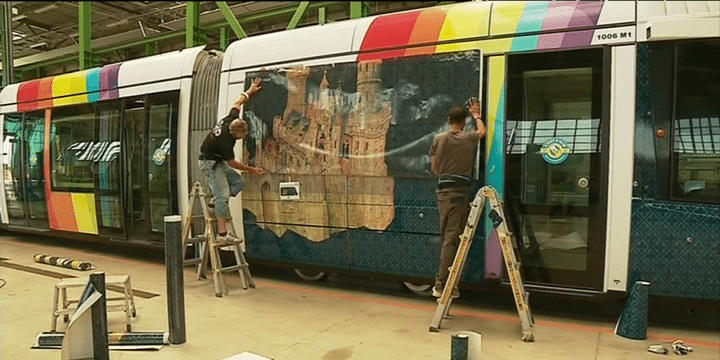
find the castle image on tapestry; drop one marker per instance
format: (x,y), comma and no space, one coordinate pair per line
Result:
(333,143)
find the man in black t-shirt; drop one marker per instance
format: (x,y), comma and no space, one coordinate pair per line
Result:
(217,161)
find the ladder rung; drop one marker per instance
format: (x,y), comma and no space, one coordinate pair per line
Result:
(210,238)
(196,239)
(232,268)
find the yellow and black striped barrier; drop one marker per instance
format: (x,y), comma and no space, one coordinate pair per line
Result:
(67,263)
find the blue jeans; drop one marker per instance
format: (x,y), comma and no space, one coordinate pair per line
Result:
(224,182)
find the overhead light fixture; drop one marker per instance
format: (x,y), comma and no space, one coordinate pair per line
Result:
(33,46)
(46,8)
(15,10)
(117,23)
(18,18)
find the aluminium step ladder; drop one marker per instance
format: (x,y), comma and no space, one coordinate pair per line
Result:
(497,217)
(208,245)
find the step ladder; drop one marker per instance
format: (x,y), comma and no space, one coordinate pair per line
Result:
(208,246)
(497,217)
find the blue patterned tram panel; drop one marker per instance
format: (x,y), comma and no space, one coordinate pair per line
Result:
(676,247)
(675,233)
(356,137)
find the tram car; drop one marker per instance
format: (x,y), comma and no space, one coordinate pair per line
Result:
(603,143)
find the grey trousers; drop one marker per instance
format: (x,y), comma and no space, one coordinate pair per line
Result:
(454,208)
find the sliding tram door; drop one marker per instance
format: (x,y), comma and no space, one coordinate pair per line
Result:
(149,185)
(23,170)
(556,176)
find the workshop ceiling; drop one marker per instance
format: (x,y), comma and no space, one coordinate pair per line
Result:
(44,30)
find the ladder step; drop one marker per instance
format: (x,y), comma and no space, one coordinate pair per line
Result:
(196,239)
(211,255)
(232,268)
(218,243)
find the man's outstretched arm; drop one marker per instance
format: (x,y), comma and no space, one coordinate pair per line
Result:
(245,96)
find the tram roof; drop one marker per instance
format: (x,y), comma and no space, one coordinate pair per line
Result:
(100,83)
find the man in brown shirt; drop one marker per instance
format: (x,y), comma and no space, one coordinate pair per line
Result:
(453,156)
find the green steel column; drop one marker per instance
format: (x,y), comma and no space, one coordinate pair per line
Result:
(321,16)
(194,34)
(7,45)
(358,9)
(299,14)
(84,34)
(224,38)
(231,19)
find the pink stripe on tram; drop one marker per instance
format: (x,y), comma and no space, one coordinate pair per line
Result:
(577,38)
(558,15)
(586,13)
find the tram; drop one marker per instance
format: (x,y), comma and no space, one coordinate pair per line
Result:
(603,142)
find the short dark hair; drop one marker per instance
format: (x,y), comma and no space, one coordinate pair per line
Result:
(457,115)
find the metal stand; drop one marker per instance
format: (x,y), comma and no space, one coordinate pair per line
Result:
(497,217)
(210,246)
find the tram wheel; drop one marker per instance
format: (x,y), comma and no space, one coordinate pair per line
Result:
(418,289)
(310,275)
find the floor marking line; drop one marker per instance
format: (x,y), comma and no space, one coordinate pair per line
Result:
(57,275)
(476,314)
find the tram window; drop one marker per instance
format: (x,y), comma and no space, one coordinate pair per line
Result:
(73,148)
(696,124)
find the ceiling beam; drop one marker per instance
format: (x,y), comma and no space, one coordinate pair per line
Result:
(212,20)
(231,19)
(85,35)
(298,15)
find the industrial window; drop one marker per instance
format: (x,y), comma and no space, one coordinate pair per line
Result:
(696,122)
(73,148)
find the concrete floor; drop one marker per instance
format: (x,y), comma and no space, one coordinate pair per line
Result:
(289,319)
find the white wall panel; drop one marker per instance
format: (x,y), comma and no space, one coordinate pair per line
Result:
(239,76)
(5,156)
(617,12)
(360,30)
(620,177)
(4,109)
(9,96)
(183,132)
(150,88)
(157,68)
(319,40)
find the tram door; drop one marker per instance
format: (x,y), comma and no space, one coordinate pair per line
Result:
(555,182)
(23,170)
(149,186)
